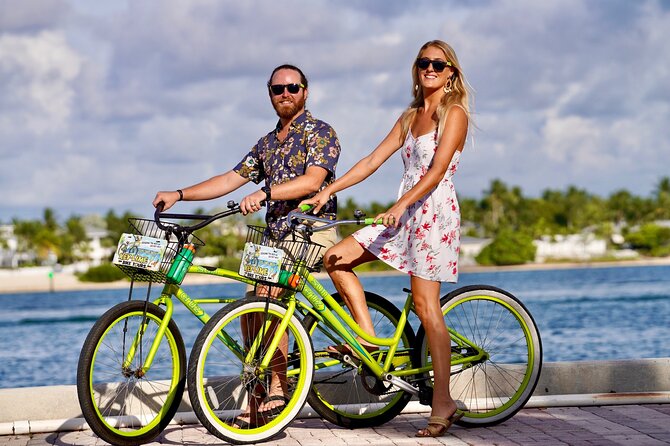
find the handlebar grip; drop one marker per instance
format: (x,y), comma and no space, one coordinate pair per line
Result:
(305,207)
(157,215)
(371,221)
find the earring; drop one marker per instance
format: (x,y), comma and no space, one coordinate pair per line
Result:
(447,87)
(416,87)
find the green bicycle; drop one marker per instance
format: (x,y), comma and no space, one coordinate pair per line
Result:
(496,356)
(132,366)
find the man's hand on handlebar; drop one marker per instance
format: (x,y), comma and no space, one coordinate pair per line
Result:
(168,198)
(252,202)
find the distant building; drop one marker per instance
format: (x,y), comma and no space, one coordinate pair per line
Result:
(9,245)
(93,251)
(470,248)
(572,246)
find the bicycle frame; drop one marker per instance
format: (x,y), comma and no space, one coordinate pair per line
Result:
(327,312)
(193,305)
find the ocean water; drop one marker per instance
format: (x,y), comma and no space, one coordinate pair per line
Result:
(582,314)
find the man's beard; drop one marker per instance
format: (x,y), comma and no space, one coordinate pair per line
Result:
(288,112)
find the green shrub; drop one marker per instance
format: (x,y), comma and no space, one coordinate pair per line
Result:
(508,248)
(650,239)
(231,263)
(106,272)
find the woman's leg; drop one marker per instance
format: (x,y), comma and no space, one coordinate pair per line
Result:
(426,295)
(340,260)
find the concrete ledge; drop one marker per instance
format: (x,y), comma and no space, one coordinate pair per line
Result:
(584,383)
(617,376)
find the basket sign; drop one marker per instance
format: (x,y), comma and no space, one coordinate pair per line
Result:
(140,251)
(261,262)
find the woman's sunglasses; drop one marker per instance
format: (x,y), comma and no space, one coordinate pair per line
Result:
(278,89)
(438,65)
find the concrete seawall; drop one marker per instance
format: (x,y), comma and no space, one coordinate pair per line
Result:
(599,383)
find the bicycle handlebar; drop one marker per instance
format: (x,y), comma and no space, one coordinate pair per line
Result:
(233,208)
(294,218)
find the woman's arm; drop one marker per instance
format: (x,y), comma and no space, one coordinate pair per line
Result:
(361,170)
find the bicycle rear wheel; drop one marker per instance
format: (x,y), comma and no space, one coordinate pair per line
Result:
(122,404)
(223,384)
(494,388)
(350,396)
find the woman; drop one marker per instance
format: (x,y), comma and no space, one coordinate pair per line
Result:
(420,232)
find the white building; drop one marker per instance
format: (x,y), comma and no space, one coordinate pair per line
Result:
(470,248)
(9,255)
(573,247)
(92,251)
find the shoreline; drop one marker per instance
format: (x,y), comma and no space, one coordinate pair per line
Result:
(36,280)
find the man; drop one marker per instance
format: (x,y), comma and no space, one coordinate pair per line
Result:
(295,160)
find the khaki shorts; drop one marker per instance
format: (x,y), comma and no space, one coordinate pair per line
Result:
(325,238)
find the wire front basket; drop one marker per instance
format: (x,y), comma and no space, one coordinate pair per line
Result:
(146,227)
(299,252)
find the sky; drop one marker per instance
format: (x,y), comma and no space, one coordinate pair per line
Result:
(104,103)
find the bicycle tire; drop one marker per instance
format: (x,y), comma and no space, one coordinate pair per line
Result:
(493,390)
(339,392)
(221,383)
(121,406)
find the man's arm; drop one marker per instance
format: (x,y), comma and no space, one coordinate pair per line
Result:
(294,189)
(214,187)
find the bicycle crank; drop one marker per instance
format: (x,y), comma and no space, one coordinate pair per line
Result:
(373,384)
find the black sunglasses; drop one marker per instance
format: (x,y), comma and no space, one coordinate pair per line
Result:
(438,65)
(278,89)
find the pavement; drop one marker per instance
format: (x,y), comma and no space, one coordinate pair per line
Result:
(637,424)
(623,402)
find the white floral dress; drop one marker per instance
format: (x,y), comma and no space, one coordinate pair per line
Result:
(427,242)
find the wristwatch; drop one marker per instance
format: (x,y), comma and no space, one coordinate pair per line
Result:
(268,193)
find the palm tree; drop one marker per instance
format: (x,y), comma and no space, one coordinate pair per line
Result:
(662,195)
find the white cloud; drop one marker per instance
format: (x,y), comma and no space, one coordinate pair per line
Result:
(38,73)
(567,92)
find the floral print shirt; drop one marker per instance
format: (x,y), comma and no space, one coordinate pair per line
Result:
(309,142)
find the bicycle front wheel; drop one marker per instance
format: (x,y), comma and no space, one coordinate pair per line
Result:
(348,394)
(491,387)
(227,387)
(122,403)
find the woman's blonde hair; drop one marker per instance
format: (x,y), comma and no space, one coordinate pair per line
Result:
(460,93)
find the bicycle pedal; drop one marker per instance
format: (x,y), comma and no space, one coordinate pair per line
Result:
(426,395)
(351,360)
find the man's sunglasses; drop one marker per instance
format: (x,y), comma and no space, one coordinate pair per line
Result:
(278,89)
(438,65)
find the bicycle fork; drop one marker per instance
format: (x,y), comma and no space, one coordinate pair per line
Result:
(137,343)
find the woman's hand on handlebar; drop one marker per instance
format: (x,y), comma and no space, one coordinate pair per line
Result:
(168,198)
(317,201)
(391,217)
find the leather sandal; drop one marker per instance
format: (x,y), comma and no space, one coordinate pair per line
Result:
(438,426)
(344,349)
(240,423)
(275,410)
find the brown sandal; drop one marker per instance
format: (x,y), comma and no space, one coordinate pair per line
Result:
(438,426)
(344,349)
